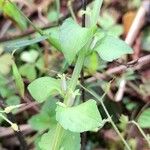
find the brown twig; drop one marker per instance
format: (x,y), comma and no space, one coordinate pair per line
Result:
(28,106)
(4,131)
(140,63)
(27,100)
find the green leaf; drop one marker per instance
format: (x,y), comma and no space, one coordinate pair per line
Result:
(28,71)
(46,118)
(106,21)
(41,122)
(13,100)
(96,11)
(49,106)
(130,104)
(3,80)
(115,30)
(91,63)
(54,37)
(36,142)
(40,65)
(46,140)
(73,38)
(69,140)
(16,44)
(52,15)
(110,48)
(9,10)
(144,119)
(81,118)
(29,56)
(18,80)
(5,63)
(123,122)
(6,92)
(43,87)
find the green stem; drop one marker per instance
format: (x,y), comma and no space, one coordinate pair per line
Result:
(77,70)
(71,87)
(2,116)
(141,131)
(108,115)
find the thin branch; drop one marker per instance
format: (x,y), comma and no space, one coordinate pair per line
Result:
(140,63)
(7,131)
(28,106)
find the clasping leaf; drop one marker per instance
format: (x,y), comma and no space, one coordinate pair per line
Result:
(73,38)
(81,118)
